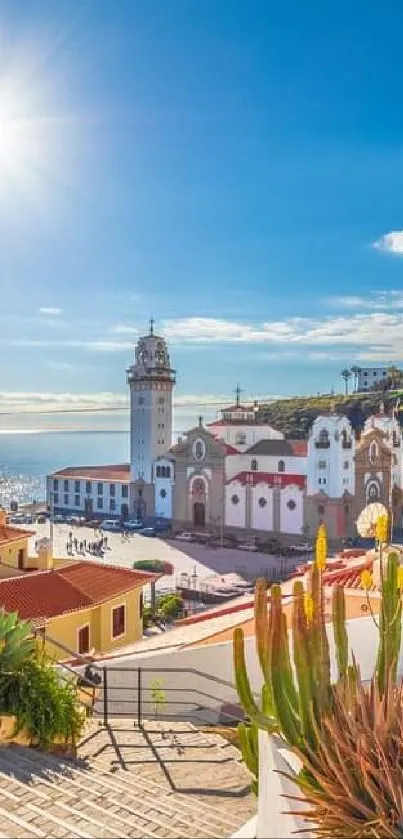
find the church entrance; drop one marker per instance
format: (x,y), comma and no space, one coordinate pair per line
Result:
(199,514)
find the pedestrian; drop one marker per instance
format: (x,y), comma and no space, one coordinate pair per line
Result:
(81,547)
(71,536)
(75,543)
(85,544)
(68,547)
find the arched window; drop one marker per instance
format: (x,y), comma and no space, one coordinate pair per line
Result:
(167,471)
(253,465)
(158,471)
(162,471)
(323,441)
(281,466)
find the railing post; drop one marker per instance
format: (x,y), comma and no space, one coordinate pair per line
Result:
(139,696)
(105,696)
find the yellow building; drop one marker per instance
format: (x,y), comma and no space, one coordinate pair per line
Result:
(88,607)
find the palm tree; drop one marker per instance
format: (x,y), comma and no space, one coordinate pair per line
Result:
(356,372)
(346,375)
(393,375)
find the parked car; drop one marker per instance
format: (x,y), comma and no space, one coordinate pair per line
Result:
(111,525)
(41,520)
(301,548)
(185,536)
(148,531)
(132,524)
(58,518)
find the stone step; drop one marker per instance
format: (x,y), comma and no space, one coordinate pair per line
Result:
(107,806)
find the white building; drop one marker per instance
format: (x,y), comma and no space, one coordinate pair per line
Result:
(238,426)
(370,376)
(151,381)
(331,449)
(128,489)
(94,491)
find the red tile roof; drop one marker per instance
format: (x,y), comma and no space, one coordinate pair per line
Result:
(12,534)
(228,448)
(272,478)
(119,472)
(299,447)
(40,595)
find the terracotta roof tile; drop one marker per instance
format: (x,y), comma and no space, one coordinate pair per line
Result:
(11,534)
(118,472)
(44,594)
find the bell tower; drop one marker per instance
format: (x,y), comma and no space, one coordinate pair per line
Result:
(151,381)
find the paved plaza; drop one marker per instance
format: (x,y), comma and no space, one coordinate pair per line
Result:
(184,557)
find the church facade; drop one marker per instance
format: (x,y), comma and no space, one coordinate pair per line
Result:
(235,474)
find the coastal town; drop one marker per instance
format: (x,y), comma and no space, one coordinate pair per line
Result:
(201,420)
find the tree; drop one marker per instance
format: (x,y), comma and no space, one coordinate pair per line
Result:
(346,375)
(170,606)
(355,370)
(394,375)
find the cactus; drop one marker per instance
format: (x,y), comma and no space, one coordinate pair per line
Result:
(248,739)
(390,624)
(293,698)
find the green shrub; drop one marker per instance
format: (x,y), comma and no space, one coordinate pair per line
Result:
(158,566)
(44,703)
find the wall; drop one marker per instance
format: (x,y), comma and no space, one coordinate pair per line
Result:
(235,514)
(9,571)
(105,511)
(9,552)
(64,627)
(253,433)
(262,517)
(134,623)
(291,521)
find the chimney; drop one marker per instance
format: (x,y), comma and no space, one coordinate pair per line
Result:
(44,551)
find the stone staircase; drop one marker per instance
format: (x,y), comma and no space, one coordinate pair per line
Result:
(158,781)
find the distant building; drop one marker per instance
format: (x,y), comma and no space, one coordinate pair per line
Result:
(370,376)
(331,476)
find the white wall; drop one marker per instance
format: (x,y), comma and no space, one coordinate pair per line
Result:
(106,496)
(291,521)
(235,514)
(253,433)
(262,517)
(333,479)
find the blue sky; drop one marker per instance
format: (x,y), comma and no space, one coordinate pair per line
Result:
(234,167)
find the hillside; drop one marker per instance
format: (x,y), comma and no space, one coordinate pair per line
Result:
(295,416)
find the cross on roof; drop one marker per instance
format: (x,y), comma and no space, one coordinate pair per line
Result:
(238,390)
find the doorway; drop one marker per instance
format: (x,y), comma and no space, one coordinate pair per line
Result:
(84,640)
(199,514)
(21,558)
(124,511)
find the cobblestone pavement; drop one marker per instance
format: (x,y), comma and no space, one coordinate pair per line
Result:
(158,782)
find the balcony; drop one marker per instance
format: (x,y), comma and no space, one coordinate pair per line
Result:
(322,444)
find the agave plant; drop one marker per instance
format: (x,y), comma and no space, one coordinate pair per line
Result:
(353,780)
(16,642)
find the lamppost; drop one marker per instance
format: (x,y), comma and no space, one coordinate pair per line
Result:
(51,516)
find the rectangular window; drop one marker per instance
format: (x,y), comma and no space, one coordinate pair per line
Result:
(112,489)
(100,489)
(112,504)
(118,621)
(322,464)
(100,502)
(55,484)
(346,510)
(55,497)
(66,499)
(346,464)
(321,510)
(66,486)
(83,644)
(161,400)
(76,486)
(125,491)
(168,472)
(88,487)
(76,500)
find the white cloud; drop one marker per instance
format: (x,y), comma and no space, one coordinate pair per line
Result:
(50,310)
(62,366)
(123,329)
(374,332)
(92,346)
(390,242)
(376,301)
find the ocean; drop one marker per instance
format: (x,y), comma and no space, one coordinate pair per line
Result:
(26,458)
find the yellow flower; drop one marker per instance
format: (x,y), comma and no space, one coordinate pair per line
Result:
(321,548)
(308,606)
(400,577)
(366,579)
(382,529)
